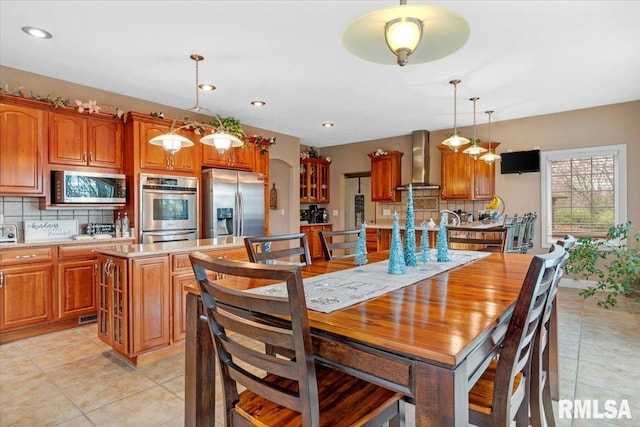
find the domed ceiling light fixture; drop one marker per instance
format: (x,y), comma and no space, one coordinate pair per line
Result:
(475,150)
(455,141)
(172,142)
(490,156)
(400,29)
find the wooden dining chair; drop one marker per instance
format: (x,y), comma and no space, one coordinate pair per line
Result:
(489,240)
(298,391)
(501,394)
(339,240)
(259,249)
(540,397)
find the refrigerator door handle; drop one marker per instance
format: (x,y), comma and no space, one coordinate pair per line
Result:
(241,214)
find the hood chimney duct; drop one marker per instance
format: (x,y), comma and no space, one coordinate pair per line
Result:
(420,161)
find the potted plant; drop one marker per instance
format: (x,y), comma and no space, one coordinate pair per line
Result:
(614,261)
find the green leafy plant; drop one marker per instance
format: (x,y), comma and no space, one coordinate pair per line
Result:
(615,262)
(229,125)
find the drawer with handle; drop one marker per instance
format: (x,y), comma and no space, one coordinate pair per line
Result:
(25,255)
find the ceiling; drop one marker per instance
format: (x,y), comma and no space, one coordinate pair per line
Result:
(523,58)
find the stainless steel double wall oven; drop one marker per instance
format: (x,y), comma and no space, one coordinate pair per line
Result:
(168,208)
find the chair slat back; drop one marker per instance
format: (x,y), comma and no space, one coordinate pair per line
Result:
(516,352)
(346,240)
(494,237)
(529,231)
(241,323)
(256,248)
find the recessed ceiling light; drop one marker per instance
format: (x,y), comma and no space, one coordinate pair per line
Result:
(206,86)
(258,103)
(327,125)
(37,32)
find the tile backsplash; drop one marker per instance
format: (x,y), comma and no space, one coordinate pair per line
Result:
(16,210)
(426,205)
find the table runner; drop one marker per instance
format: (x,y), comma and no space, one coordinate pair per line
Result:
(334,291)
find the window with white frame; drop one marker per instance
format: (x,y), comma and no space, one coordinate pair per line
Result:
(584,191)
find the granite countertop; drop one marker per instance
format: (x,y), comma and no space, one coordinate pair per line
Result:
(84,241)
(150,249)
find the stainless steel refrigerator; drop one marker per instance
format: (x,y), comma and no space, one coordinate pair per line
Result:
(232,203)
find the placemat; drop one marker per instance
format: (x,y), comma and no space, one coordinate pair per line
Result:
(340,289)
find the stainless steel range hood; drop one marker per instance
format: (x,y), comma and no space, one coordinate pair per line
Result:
(420,163)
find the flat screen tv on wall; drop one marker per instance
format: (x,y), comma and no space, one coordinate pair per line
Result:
(520,162)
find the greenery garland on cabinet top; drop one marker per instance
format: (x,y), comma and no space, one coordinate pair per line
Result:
(614,261)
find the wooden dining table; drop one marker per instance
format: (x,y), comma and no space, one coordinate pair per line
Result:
(429,340)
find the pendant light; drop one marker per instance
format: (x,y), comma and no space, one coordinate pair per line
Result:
(172,142)
(490,156)
(393,35)
(475,150)
(455,141)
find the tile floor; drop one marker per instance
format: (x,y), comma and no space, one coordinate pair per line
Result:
(70,378)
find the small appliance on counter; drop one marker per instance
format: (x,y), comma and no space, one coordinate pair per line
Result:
(8,233)
(321,215)
(94,229)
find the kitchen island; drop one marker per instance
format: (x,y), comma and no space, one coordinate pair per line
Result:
(379,235)
(141,294)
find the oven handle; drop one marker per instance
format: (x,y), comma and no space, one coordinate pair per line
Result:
(172,233)
(188,193)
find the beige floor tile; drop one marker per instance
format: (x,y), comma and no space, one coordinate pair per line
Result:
(610,375)
(81,421)
(92,367)
(10,350)
(40,410)
(176,386)
(51,341)
(94,393)
(151,407)
(174,422)
(53,358)
(26,387)
(165,369)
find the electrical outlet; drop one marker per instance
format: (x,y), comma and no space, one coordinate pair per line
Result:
(386,212)
(281,211)
(335,212)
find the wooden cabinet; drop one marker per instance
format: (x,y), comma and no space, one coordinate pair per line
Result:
(464,178)
(314,181)
(313,238)
(149,296)
(182,278)
(77,284)
(386,175)
(155,158)
(379,239)
(261,162)
(25,287)
(113,312)
(79,140)
(239,158)
(133,303)
(22,142)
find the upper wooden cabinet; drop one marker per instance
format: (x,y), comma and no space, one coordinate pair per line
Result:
(155,158)
(22,142)
(464,178)
(240,158)
(80,140)
(386,175)
(314,180)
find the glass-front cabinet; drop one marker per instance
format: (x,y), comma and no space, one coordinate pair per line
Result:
(314,181)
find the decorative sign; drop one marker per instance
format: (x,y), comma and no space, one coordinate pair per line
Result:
(41,231)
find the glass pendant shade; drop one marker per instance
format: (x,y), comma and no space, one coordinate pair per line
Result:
(475,150)
(455,141)
(171,142)
(222,141)
(403,36)
(490,157)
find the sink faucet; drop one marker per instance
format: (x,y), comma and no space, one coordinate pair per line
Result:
(454,222)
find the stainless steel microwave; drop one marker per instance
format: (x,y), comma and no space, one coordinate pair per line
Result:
(88,187)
